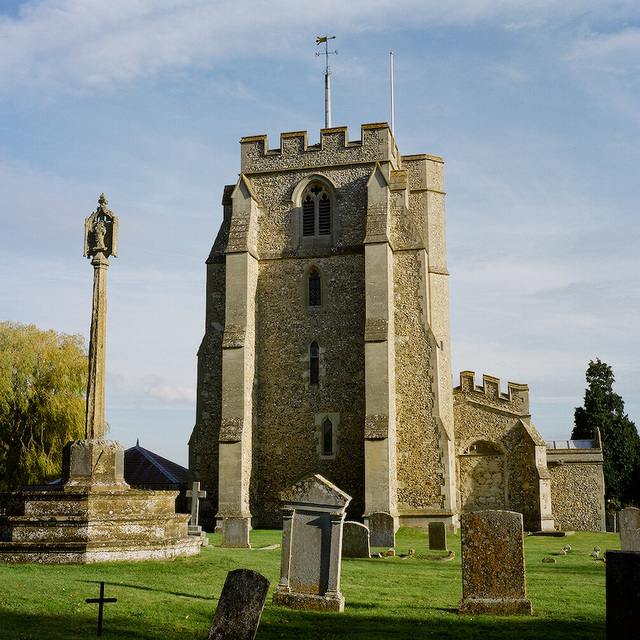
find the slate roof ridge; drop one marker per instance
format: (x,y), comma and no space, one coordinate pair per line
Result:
(158,461)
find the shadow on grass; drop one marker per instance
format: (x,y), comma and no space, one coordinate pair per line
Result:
(152,589)
(283,623)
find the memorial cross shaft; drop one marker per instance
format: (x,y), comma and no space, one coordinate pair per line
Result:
(100,242)
(195,494)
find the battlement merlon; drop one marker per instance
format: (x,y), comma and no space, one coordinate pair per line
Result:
(517,394)
(335,149)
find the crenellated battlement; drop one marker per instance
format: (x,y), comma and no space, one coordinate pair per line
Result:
(517,394)
(376,144)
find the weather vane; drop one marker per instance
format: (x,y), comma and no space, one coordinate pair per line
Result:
(327,74)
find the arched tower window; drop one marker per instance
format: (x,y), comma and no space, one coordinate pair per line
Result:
(316,210)
(314,363)
(315,288)
(327,437)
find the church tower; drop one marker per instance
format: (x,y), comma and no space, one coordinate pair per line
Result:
(326,346)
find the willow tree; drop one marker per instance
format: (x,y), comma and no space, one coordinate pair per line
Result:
(43,378)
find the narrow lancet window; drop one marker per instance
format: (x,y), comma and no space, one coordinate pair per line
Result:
(314,363)
(327,437)
(315,290)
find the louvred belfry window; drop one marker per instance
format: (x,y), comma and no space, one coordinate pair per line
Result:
(316,211)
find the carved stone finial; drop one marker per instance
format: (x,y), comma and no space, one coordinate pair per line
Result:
(101,232)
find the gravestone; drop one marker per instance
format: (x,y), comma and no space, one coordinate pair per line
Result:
(493,576)
(194,528)
(437,536)
(240,606)
(383,530)
(100,602)
(313,516)
(355,540)
(623,595)
(629,523)
(235,533)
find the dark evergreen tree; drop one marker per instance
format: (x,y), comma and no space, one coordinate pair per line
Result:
(603,409)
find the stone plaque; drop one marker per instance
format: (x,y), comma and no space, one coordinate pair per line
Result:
(355,540)
(629,523)
(314,511)
(437,536)
(240,606)
(493,576)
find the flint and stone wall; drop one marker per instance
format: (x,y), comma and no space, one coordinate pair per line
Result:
(577,488)
(379,199)
(500,454)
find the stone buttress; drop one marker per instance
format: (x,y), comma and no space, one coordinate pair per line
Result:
(326,347)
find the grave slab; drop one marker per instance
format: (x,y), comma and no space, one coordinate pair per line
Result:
(629,524)
(355,540)
(437,536)
(623,595)
(313,517)
(240,606)
(493,572)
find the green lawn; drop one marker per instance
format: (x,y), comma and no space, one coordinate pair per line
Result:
(403,598)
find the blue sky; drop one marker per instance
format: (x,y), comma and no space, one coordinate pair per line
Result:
(535,108)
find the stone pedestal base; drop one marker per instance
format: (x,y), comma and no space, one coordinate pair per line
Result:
(235,532)
(495,606)
(98,464)
(79,524)
(197,532)
(308,601)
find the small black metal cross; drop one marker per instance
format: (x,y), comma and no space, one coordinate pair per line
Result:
(101,600)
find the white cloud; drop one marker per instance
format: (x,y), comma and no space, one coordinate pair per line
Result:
(92,45)
(616,53)
(173,394)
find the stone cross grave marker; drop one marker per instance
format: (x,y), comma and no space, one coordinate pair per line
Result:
(437,536)
(629,523)
(195,494)
(355,540)
(493,576)
(313,516)
(623,594)
(101,601)
(240,606)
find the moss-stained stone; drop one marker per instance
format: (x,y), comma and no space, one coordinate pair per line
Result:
(401,441)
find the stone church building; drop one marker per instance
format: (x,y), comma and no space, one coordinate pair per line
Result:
(327,350)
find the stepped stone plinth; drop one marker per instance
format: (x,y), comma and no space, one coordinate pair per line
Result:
(92,515)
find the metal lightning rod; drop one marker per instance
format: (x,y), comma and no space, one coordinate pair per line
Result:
(327,75)
(393,105)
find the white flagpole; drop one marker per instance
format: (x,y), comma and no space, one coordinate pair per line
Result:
(393,106)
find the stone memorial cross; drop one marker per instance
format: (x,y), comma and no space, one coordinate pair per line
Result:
(100,242)
(195,494)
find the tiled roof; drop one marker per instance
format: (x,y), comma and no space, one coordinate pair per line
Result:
(144,467)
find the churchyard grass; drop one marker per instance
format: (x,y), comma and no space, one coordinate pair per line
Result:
(402,597)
